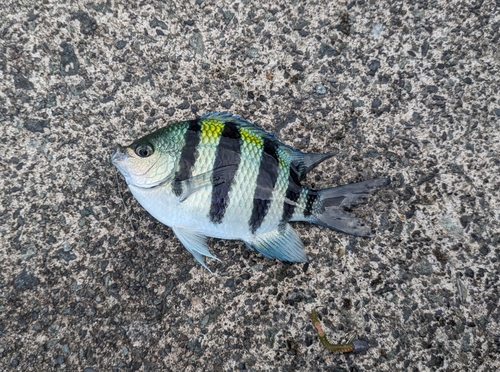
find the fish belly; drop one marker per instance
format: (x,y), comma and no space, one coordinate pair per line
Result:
(191,214)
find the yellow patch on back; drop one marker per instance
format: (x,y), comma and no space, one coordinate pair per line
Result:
(210,131)
(250,138)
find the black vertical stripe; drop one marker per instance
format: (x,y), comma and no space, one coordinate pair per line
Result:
(312,195)
(266,180)
(228,156)
(292,195)
(188,157)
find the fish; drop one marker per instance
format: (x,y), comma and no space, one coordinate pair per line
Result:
(222,176)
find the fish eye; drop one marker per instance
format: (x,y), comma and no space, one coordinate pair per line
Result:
(144,150)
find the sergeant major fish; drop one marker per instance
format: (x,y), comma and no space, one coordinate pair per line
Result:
(224,177)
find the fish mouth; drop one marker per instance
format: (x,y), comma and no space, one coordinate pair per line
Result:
(118,158)
(118,155)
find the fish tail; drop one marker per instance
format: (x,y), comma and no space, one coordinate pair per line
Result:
(327,207)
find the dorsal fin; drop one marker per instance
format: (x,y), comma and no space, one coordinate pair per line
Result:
(305,162)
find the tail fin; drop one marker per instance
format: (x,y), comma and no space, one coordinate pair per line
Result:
(331,204)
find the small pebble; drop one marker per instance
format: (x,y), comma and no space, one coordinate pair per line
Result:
(360,345)
(469,272)
(253,53)
(320,89)
(120,44)
(377,29)
(184,105)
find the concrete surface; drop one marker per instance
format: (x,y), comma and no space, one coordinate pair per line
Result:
(90,282)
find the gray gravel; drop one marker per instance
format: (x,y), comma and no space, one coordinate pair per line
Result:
(90,282)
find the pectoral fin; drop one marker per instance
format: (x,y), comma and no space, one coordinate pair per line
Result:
(212,178)
(282,243)
(195,243)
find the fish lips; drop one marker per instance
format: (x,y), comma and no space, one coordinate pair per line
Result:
(118,154)
(118,157)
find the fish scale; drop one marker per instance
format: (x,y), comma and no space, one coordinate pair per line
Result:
(266,183)
(228,156)
(240,205)
(275,214)
(221,176)
(205,159)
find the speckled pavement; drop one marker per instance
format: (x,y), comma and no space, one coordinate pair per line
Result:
(90,282)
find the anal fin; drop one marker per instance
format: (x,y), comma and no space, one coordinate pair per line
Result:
(195,243)
(282,243)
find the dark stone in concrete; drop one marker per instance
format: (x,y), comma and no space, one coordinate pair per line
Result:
(25,281)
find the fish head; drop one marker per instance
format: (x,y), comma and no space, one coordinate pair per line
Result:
(145,163)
